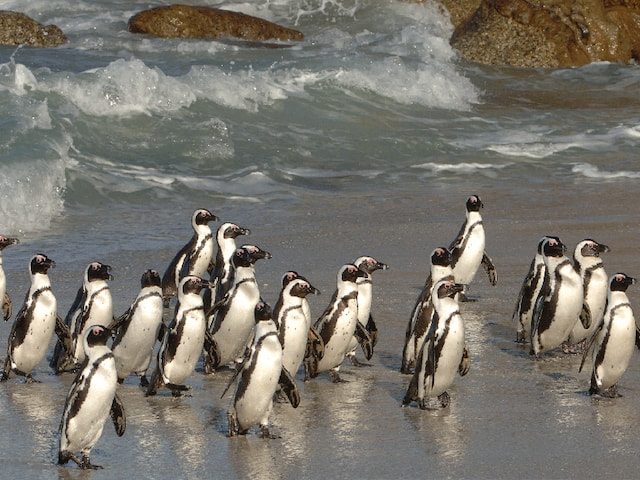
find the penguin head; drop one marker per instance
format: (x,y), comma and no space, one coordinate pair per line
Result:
(256,253)
(40,263)
(590,248)
(620,282)
(553,247)
(192,284)
(231,230)
(150,278)
(441,256)
(6,241)
(541,243)
(350,273)
(262,312)
(289,277)
(369,264)
(96,335)
(474,204)
(202,216)
(447,288)
(98,271)
(300,287)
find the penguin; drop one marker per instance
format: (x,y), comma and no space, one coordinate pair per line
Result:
(261,373)
(422,313)
(559,302)
(195,258)
(588,263)
(365,292)
(231,320)
(293,320)
(4,297)
(467,250)
(613,342)
(93,305)
(528,294)
(182,343)
(35,323)
(91,399)
(442,350)
(337,325)
(138,329)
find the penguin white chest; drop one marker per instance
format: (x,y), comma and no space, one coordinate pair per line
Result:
(296,331)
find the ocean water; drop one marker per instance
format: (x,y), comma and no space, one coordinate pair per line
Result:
(364,138)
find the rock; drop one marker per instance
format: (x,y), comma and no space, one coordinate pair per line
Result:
(18,29)
(182,21)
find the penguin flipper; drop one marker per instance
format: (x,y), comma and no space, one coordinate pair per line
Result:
(538,308)
(590,343)
(490,268)
(64,335)
(585,316)
(372,328)
(315,345)
(637,338)
(117,416)
(234,376)
(364,339)
(211,347)
(288,385)
(465,362)
(6,307)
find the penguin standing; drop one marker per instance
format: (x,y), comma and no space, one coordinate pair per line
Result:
(365,293)
(559,303)
(614,340)
(588,264)
(93,306)
(4,297)
(231,320)
(138,329)
(442,350)
(337,325)
(422,313)
(182,344)
(35,323)
(91,399)
(528,294)
(195,258)
(260,374)
(467,250)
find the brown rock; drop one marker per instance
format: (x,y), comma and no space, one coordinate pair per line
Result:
(182,21)
(19,29)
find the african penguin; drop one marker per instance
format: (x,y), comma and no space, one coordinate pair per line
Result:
(261,373)
(195,258)
(365,293)
(183,340)
(422,313)
(231,320)
(559,302)
(613,342)
(91,399)
(35,323)
(4,297)
(528,294)
(442,350)
(588,264)
(467,250)
(138,329)
(337,325)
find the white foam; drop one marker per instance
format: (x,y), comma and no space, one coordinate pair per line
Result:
(464,168)
(591,171)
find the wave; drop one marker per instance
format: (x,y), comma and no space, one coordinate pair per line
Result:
(591,171)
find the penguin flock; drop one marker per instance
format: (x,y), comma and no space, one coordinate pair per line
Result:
(219,316)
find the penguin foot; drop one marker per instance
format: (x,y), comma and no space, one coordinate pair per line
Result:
(264,432)
(28,378)
(570,348)
(87,465)
(357,363)
(178,390)
(233,424)
(445,399)
(154,385)
(335,377)
(521,337)
(144,382)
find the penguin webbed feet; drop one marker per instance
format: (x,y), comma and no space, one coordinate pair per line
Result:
(335,377)
(355,362)
(265,433)
(445,399)
(178,390)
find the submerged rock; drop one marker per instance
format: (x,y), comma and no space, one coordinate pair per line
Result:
(182,21)
(19,29)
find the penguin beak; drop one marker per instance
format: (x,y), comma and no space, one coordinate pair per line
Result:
(50,263)
(313,290)
(603,248)
(105,272)
(381,266)
(457,288)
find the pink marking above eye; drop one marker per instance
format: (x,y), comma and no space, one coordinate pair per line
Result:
(619,278)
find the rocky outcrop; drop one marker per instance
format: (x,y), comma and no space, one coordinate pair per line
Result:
(182,21)
(19,29)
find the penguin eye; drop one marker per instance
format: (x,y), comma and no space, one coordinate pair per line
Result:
(97,331)
(619,278)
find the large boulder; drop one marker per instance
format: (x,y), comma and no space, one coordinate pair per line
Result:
(19,29)
(182,21)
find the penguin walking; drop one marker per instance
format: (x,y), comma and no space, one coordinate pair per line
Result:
(91,399)
(588,263)
(365,293)
(35,323)
(528,294)
(4,297)
(195,258)
(423,310)
(182,343)
(231,321)
(442,350)
(293,320)
(261,372)
(93,305)
(467,250)
(138,329)
(337,325)
(613,342)
(559,303)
